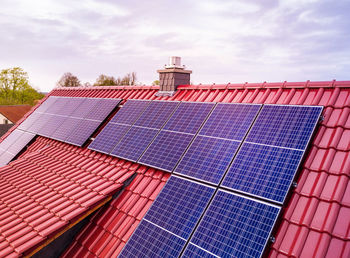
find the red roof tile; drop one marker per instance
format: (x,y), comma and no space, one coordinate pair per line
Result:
(14,112)
(34,203)
(316,215)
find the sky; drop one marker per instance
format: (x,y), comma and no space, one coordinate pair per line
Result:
(221,41)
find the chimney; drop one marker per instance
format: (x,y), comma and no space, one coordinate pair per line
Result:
(173,75)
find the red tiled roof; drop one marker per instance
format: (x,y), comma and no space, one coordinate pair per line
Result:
(14,112)
(109,229)
(316,220)
(50,187)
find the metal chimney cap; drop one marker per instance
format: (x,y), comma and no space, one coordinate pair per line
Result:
(174,62)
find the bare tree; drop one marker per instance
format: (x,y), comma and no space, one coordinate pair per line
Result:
(128,79)
(68,80)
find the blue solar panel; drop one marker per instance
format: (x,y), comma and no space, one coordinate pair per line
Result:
(130,111)
(65,129)
(82,132)
(71,105)
(233,226)
(149,240)
(156,114)
(230,121)
(29,121)
(39,123)
(60,104)
(134,143)
(102,109)
(179,206)
(20,143)
(51,125)
(46,104)
(207,158)
(264,171)
(85,107)
(10,139)
(188,117)
(108,138)
(166,150)
(285,126)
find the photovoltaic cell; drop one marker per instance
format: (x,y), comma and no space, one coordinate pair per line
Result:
(5,158)
(134,143)
(29,121)
(108,138)
(51,125)
(130,111)
(82,132)
(39,123)
(207,158)
(188,117)
(10,139)
(179,206)
(285,126)
(72,105)
(166,150)
(85,107)
(230,121)
(60,104)
(156,114)
(65,129)
(46,104)
(102,108)
(148,240)
(264,171)
(233,226)
(20,143)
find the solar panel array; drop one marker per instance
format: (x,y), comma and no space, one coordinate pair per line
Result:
(217,142)
(13,144)
(266,163)
(72,120)
(234,149)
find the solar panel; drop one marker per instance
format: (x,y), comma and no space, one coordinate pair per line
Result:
(134,143)
(233,226)
(108,138)
(102,109)
(156,114)
(148,240)
(82,132)
(285,126)
(10,139)
(85,107)
(264,171)
(207,158)
(230,121)
(51,125)
(29,121)
(179,206)
(20,143)
(65,129)
(188,117)
(170,220)
(60,104)
(72,105)
(39,123)
(166,150)
(46,104)
(130,111)
(5,158)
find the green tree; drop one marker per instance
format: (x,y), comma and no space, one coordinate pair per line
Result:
(15,88)
(105,80)
(156,82)
(68,80)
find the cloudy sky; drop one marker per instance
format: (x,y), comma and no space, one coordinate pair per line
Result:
(221,41)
